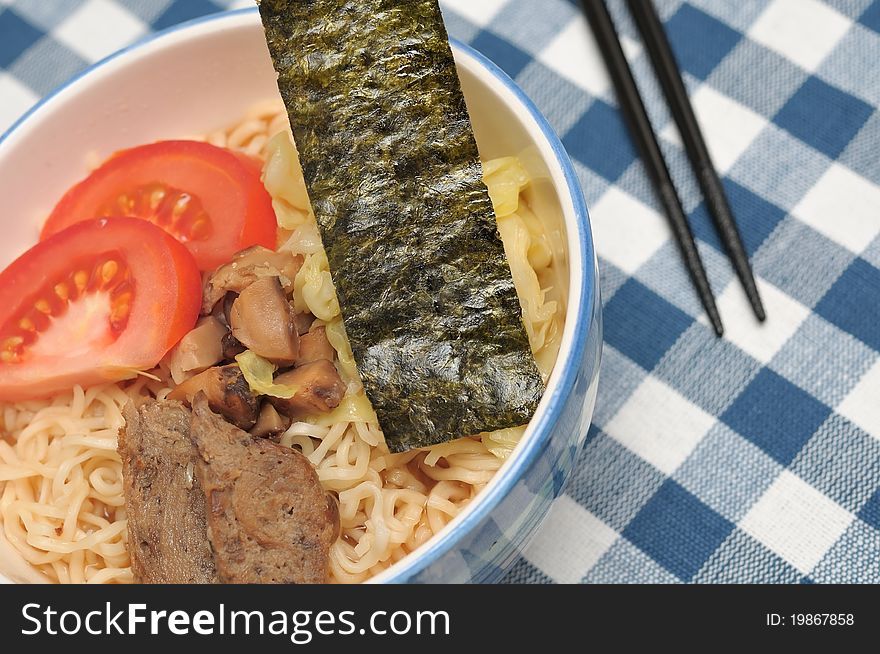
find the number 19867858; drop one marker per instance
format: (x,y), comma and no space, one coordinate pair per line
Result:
(810,620)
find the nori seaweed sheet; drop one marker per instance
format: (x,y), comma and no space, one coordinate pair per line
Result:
(393,172)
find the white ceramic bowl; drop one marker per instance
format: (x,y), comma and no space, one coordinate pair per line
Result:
(205,74)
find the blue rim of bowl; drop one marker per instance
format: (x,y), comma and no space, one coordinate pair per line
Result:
(541,431)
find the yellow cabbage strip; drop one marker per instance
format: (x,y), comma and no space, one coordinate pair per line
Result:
(258,374)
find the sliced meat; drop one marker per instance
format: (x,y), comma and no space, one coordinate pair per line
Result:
(320,390)
(165,505)
(200,349)
(227,392)
(269,520)
(247,267)
(314,346)
(261,320)
(270,423)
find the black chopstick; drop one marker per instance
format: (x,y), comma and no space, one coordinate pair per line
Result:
(666,69)
(640,127)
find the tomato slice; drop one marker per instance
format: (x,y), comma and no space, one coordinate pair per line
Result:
(92,304)
(210,199)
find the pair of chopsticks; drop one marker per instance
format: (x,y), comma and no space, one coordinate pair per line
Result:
(666,70)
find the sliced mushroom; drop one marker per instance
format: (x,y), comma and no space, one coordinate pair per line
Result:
(260,319)
(320,389)
(222,309)
(270,423)
(198,350)
(314,346)
(302,321)
(232,347)
(247,267)
(228,394)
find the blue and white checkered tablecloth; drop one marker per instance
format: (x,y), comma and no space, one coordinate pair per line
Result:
(755,458)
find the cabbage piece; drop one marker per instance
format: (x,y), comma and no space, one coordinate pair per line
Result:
(282,173)
(352,408)
(287,216)
(501,442)
(305,239)
(258,373)
(335,331)
(505,178)
(314,290)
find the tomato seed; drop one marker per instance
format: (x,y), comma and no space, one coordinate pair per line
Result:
(62,291)
(156,198)
(109,270)
(80,278)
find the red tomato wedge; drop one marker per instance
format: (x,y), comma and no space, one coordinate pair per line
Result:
(210,199)
(92,304)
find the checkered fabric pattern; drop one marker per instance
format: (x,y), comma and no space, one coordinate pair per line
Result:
(755,458)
